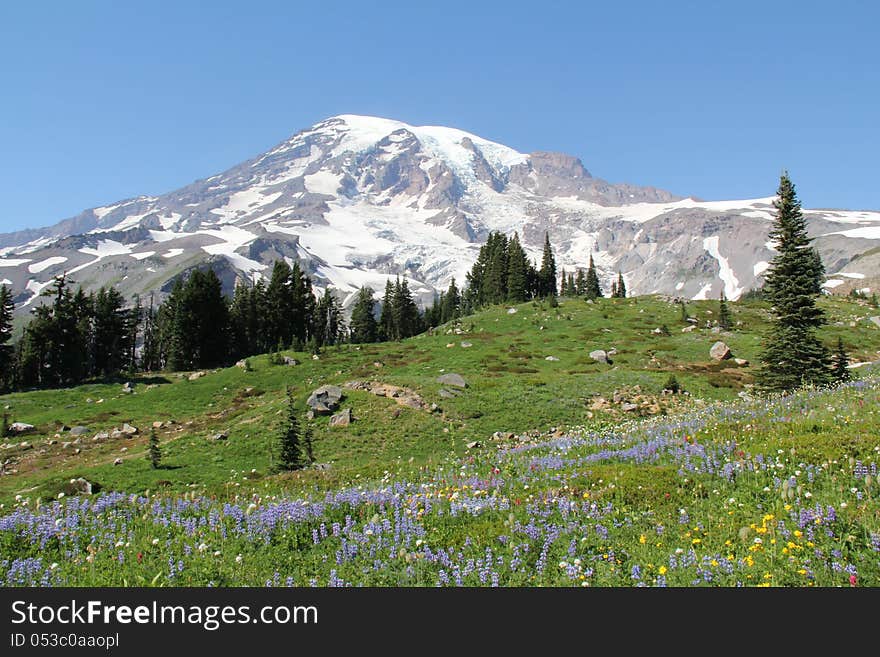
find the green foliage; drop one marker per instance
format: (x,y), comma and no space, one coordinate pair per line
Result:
(7,308)
(793,355)
(839,362)
(724,319)
(154,452)
(672,385)
(592,290)
(290,452)
(364,328)
(547,273)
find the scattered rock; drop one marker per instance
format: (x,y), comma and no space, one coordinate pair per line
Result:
(742,362)
(552,358)
(26,445)
(196,375)
(322,466)
(21,427)
(157,424)
(81,486)
(219,436)
(78,430)
(324,400)
(101,435)
(342,419)
(128,387)
(502,435)
(446,394)
(599,355)
(378,364)
(876,320)
(450,345)
(316,357)
(467,344)
(65,445)
(473,445)
(629,408)
(129,430)
(117,462)
(688,329)
(290,361)
(715,329)
(511,311)
(720,351)
(242,364)
(452,379)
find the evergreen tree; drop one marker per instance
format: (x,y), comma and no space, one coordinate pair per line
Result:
(7,308)
(495,275)
(450,305)
(151,353)
(308,444)
(405,313)
(580,283)
(279,305)
(517,272)
(290,456)
(154,455)
(547,273)
(110,331)
(364,328)
(724,320)
(684,312)
(793,356)
(239,340)
(839,362)
(194,321)
(303,304)
(620,287)
(593,288)
(329,324)
(387,324)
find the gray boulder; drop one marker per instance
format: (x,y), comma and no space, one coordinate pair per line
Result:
(129,430)
(552,359)
(342,419)
(196,376)
(324,400)
(290,361)
(599,355)
(467,344)
(720,351)
(219,436)
(452,379)
(78,430)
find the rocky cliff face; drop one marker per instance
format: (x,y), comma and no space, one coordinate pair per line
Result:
(360,199)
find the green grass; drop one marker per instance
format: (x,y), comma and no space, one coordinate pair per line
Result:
(511,388)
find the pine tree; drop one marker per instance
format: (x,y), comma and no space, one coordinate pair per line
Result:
(620,288)
(7,308)
(151,354)
(496,272)
(580,283)
(517,272)
(110,331)
(547,274)
(450,305)
(290,456)
(593,288)
(308,444)
(839,362)
(386,318)
(279,305)
(793,356)
(724,320)
(364,328)
(154,455)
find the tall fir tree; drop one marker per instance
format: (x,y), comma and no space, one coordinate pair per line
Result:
(364,328)
(724,319)
(450,305)
(793,355)
(151,353)
(386,319)
(329,323)
(7,309)
(840,363)
(547,273)
(620,287)
(580,283)
(289,451)
(593,288)
(154,453)
(517,271)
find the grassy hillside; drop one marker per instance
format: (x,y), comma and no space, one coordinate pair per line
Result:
(584,472)
(512,388)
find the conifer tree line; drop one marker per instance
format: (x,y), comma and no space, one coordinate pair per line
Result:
(75,337)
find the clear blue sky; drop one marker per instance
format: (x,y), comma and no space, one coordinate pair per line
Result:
(106,100)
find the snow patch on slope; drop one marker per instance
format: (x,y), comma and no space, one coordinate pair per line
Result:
(732,290)
(37,267)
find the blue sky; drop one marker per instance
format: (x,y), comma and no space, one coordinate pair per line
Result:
(107,100)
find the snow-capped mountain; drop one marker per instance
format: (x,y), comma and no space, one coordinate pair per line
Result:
(360,199)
